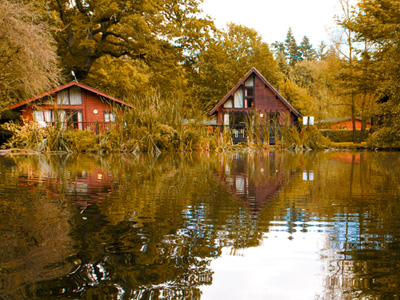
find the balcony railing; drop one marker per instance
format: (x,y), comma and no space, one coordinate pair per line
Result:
(240,132)
(96,127)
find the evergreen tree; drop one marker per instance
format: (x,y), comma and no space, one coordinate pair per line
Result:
(321,52)
(278,47)
(306,49)
(292,49)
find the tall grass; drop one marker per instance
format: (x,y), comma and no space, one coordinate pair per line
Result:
(153,125)
(308,138)
(158,123)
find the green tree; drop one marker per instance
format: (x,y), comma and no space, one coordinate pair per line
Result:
(292,49)
(307,50)
(28,60)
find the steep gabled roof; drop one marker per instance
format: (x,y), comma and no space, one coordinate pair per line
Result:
(265,81)
(66,86)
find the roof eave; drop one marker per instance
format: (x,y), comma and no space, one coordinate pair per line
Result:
(65,86)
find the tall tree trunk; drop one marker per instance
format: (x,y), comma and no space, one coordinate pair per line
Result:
(353,118)
(363,128)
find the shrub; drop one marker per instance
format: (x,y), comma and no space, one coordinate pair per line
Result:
(5,135)
(342,135)
(385,138)
(24,137)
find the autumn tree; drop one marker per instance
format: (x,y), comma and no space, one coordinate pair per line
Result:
(321,52)
(28,60)
(231,54)
(146,30)
(346,41)
(378,22)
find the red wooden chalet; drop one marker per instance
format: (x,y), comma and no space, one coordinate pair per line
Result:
(74,104)
(253,94)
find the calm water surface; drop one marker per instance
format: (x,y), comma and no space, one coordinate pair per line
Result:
(271,225)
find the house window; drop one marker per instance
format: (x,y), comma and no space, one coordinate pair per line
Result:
(249,81)
(228,104)
(249,92)
(249,96)
(72,118)
(109,116)
(226,119)
(76,119)
(43,117)
(238,96)
(71,96)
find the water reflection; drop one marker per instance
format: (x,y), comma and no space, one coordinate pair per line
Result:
(189,226)
(256,180)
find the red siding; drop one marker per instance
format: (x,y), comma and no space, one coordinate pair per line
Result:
(265,99)
(92,102)
(348,125)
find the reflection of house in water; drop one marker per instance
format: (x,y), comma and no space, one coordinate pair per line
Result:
(256,183)
(83,189)
(89,187)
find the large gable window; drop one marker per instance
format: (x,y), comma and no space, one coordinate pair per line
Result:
(238,96)
(71,96)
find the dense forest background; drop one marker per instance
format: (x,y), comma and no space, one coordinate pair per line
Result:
(131,49)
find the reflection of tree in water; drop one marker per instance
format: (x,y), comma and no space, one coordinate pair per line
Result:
(154,229)
(34,234)
(362,252)
(153,235)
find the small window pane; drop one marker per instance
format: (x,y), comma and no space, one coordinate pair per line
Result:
(226,119)
(80,120)
(109,116)
(249,81)
(249,92)
(47,116)
(228,104)
(38,115)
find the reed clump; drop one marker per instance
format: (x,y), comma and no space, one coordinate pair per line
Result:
(308,138)
(153,124)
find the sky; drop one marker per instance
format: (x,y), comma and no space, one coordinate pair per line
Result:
(278,269)
(272,18)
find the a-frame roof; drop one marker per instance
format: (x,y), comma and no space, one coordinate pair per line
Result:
(66,86)
(265,81)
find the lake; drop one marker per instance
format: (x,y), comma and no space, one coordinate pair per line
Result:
(253,225)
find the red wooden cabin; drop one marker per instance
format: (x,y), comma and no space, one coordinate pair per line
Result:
(74,104)
(253,94)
